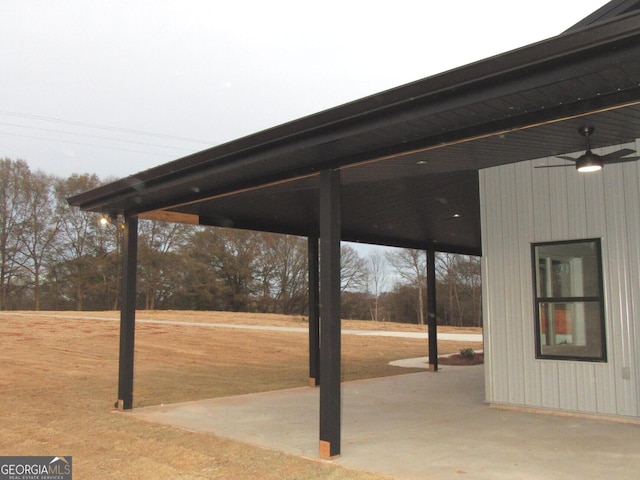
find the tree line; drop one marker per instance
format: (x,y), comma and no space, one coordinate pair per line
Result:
(56,257)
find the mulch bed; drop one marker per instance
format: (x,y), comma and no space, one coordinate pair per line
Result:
(458,360)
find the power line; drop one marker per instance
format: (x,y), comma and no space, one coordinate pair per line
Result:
(91,136)
(103,127)
(79,143)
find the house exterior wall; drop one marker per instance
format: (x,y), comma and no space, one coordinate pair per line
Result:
(522,205)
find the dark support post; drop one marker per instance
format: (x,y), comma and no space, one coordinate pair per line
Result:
(128,313)
(314,311)
(330,341)
(431,309)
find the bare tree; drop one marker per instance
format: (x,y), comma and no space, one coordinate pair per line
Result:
(82,248)
(410,265)
(282,273)
(353,270)
(229,257)
(472,272)
(460,288)
(377,277)
(198,284)
(446,273)
(158,244)
(40,228)
(13,212)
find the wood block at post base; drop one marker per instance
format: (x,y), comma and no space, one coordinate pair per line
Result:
(120,405)
(325,450)
(433,368)
(313,382)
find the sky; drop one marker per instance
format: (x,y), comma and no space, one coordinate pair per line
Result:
(114,87)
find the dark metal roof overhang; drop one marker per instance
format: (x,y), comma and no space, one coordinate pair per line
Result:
(409,156)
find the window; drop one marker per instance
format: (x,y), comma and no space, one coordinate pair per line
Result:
(568,301)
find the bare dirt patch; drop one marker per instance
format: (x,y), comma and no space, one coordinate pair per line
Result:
(59,383)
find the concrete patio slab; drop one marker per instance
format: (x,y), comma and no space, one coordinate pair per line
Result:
(421,425)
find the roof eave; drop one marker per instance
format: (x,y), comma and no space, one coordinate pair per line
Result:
(336,122)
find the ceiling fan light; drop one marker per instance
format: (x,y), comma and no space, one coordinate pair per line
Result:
(589,162)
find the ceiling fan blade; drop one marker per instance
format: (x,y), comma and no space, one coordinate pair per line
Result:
(554,166)
(619,154)
(563,157)
(609,161)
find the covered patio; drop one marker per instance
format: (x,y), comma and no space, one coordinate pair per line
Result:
(434,426)
(400,168)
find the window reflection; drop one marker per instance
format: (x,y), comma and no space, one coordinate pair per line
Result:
(569,302)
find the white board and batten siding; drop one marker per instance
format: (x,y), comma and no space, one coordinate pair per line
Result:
(522,205)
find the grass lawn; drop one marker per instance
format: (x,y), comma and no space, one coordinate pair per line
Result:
(59,383)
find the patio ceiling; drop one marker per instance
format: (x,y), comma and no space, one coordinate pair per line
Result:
(409,157)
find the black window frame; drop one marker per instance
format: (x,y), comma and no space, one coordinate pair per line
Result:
(538,300)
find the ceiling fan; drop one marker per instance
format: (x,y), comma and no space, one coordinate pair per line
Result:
(591,162)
